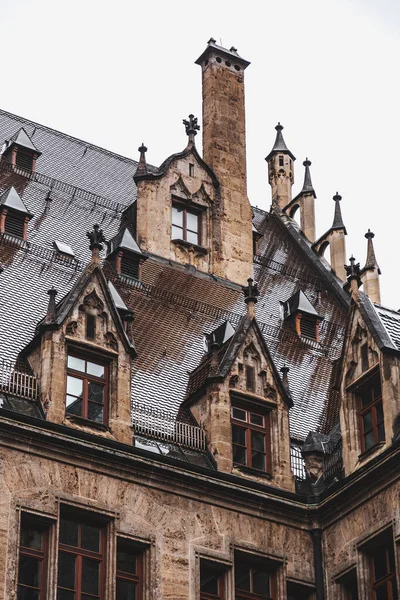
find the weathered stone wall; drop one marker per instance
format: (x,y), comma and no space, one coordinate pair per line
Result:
(353,520)
(178,518)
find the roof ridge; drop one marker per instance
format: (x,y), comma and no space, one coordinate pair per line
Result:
(68,136)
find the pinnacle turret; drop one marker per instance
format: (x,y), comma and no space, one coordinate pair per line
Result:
(279,145)
(371,271)
(371,262)
(338,219)
(307,185)
(142,165)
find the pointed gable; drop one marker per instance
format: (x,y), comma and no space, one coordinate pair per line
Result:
(11,199)
(22,139)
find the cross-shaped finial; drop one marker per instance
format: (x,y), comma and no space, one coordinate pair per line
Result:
(191,127)
(96,238)
(250,291)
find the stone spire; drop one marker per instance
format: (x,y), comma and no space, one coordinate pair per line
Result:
(142,165)
(97,239)
(337,219)
(307,185)
(191,128)
(353,273)
(250,292)
(371,271)
(51,307)
(280,170)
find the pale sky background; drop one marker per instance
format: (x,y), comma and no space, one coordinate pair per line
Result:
(120,73)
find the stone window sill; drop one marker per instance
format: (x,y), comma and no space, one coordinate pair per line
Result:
(370,451)
(188,245)
(250,471)
(75,419)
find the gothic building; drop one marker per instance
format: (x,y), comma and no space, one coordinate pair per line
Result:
(195,404)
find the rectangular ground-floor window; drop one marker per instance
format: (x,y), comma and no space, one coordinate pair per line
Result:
(33,558)
(212,581)
(129,571)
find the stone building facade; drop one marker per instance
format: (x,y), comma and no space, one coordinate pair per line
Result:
(194,403)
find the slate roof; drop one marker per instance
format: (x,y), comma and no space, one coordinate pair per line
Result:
(384,323)
(78,184)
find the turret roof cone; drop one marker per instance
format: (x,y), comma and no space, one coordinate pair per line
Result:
(279,145)
(337,219)
(371,262)
(307,185)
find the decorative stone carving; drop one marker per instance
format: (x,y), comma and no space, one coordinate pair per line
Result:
(93,301)
(71,328)
(111,341)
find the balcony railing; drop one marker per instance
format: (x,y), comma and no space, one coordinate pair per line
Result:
(163,426)
(17,382)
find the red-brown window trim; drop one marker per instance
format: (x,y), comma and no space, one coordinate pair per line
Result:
(81,553)
(97,359)
(194,209)
(389,580)
(249,427)
(372,407)
(42,555)
(220,572)
(136,550)
(256,563)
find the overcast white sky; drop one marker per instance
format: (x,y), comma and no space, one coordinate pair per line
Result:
(119,73)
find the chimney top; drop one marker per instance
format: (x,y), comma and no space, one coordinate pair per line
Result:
(228,56)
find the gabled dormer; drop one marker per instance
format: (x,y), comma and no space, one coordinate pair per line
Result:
(302,316)
(125,255)
(370,382)
(239,398)
(20,151)
(82,353)
(14,216)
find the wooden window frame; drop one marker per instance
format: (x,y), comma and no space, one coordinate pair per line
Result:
(86,378)
(371,407)
(221,578)
(42,555)
(249,427)
(135,578)
(390,577)
(246,595)
(81,553)
(193,211)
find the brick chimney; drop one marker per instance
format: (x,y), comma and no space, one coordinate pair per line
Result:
(224,150)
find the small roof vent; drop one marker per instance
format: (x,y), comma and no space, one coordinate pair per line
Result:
(64,249)
(299,303)
(20,151)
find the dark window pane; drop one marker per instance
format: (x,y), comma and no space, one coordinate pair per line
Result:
(69,532)
(126,561)
(258,441)
(238,435)
(381,432)
(31,538)
(366,397)
(258,461)
(90,576)
(239,455)
(95,412)
(369,440)
(379,412)
(367,421)
(90,327)
(27,593)
(256,419)
(74,406)
(238,413)
(380,565)
(66,570)
(382,592)
(90,538)
(242,577)
(209,581)
(250,378)
(261,583)
(65,595)
(126,590)
(30,570)
(95,392)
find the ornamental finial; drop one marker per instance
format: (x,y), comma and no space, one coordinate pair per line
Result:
(250,292)
(96,238)
(191,127)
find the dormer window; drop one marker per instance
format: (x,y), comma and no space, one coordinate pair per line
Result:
(14,216)
(250,438)
(126,255)
(21,152)
(87,388)
(300,313)
(185,225)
